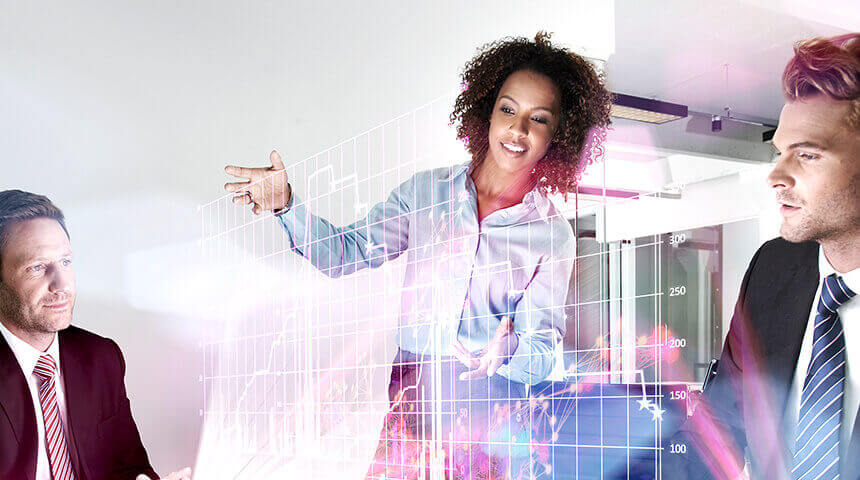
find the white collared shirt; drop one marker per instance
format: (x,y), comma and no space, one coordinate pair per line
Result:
(27,357)
(849,316)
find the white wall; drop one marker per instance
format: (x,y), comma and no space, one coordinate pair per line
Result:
(125,112)
(740,242)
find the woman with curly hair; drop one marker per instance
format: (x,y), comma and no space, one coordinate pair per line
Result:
(488,287)
(583,104)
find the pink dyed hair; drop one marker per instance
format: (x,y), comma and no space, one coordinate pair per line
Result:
(826,66)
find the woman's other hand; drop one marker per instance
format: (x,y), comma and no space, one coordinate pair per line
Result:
(487,361)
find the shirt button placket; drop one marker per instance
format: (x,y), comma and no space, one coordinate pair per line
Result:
(466,280)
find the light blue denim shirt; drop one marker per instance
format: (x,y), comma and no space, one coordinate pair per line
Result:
(461,276)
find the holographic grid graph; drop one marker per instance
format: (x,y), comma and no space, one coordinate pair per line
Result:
(297,366)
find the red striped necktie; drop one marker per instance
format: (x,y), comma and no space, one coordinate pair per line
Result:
(58,452)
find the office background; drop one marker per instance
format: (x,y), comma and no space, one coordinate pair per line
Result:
(124,113)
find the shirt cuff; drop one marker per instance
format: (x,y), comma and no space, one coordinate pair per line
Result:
(527,364)
(286,208)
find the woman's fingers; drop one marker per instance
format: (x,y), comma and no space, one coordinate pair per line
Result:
(275,158)
(486,364)
(492,357)
(465,356)
(468,362)
(493,366)
(244,172)
(267,187)
(253,194)
(237,186)
(476,374)
(505,326)
(244,199)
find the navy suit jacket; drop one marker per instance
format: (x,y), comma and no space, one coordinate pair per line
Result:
(105,438)
(747,398)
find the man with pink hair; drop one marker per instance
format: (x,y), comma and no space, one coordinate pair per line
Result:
(785,399)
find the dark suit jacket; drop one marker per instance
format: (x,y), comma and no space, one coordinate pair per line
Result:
(105,439)
(743,407)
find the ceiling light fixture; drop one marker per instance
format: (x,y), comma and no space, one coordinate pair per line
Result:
(646,109)
(716,123)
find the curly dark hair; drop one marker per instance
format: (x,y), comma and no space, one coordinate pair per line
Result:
(585,103)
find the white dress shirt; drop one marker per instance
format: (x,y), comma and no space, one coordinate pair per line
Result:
(27,357)
(849,315)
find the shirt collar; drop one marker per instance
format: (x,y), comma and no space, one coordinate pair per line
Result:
(26,354)
(455,171)
(534,198)
(539,200)
(852,278)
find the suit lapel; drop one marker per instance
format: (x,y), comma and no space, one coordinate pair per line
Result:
(779,294)
(790,307)
(78,398)
(17,405)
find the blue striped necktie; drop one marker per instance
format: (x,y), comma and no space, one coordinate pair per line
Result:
(819,419)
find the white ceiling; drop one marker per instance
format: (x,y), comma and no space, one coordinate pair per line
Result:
(709,55)
(128,97)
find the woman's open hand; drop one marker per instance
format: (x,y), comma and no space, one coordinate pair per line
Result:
(486,362)
(267,188)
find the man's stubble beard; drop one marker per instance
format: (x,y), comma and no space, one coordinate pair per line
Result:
(15,311)
(808,229)
(839,210)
